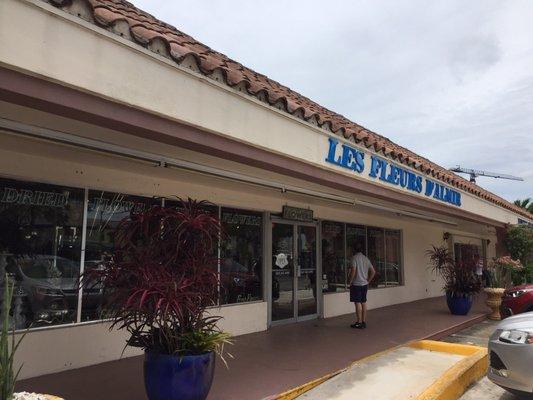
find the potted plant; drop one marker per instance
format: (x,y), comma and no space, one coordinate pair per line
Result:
(158,285)
(501,271)
(460,280)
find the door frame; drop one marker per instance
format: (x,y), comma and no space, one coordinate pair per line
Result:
(268,273)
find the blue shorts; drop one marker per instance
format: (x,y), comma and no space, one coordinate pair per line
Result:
(358,293)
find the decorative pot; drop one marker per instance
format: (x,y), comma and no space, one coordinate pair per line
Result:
(494,301)
(34,396)
(169,377)
(459,304)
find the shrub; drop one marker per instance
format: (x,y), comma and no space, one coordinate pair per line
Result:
(161,279)
(519,243)
(459,277)
(501,271)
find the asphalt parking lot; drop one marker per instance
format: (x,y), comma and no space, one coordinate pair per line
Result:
(478,335)
(486,390)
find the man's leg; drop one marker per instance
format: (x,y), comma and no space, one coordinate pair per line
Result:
(364,291)
(359,312)
(355,324)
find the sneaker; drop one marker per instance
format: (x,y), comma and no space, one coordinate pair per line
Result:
(363,325)
(357,325)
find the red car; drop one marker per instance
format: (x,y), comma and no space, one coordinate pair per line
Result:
(517,300)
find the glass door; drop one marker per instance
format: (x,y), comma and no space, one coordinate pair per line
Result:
(294,271)
(282,271)
(306,271)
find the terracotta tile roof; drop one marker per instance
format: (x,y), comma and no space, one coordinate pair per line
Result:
(126,20)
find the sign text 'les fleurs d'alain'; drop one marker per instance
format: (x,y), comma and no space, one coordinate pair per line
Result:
(353,159)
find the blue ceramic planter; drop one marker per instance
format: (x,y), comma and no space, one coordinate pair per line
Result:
(168,377)
(459,305)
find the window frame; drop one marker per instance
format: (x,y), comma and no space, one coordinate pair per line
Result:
(261,236)
(83,246)
(346,266)
(84,240)
(347,260)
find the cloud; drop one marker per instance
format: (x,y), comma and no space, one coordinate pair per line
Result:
(450,80)
(473,55)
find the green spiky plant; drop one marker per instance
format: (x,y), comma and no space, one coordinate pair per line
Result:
(8,346)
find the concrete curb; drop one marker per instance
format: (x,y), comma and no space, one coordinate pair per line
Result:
(438,335)
(449,386)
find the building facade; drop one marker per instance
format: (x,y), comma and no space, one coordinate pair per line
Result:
(104,109)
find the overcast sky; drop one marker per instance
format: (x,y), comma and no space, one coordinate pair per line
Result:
(452,81)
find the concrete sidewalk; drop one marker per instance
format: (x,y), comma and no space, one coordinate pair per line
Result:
(271,362)
(403,373)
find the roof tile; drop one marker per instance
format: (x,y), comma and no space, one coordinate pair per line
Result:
(144,29)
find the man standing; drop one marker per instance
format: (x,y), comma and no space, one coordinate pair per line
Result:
(361,274)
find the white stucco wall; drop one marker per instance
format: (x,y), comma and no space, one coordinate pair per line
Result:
(84,57)
(67,49)
(45,351)
(77,346)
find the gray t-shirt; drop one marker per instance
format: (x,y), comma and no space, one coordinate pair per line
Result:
(363,265)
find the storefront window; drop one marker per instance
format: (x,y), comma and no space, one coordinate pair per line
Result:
(382,246)
(241,256)
(355,238)
(105,210)
(333,257)
(40,247)
(465,253)
(393,261)
(376,254)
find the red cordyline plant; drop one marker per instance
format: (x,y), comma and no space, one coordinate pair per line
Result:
(162,277)
(459,277)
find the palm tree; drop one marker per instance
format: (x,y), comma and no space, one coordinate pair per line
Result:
(526,204)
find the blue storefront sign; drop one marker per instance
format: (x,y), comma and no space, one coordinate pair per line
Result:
(345,156)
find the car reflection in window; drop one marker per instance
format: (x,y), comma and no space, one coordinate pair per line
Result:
(239,283)
(49,287)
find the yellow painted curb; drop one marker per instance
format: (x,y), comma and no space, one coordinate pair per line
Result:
(454,382)
(450,386)
(297,391)
(445,347)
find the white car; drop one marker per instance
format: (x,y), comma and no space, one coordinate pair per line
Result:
(511,355)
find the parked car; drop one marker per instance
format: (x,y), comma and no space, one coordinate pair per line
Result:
(50,287)
(517,300)
(511,355)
